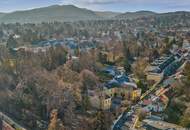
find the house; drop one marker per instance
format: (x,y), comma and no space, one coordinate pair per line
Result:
(165,100)
(100,101)
(122,79)
(122,87)
(155,117)
(155,77)
(171,69)
(110,71)
(121,70)
(16,36)
(136,94)
(169,81)
(146,102)
(154,104)
(130,122)
(162,67)
(116,105)
(154,107)
(106,102)
(111,57)
(186,44)
(32,49)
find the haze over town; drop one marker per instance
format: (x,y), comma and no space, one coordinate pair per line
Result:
(94,64)
(101,5)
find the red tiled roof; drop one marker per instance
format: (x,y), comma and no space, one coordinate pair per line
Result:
(147,102)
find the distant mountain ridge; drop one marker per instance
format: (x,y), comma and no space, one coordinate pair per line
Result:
(70,13)
(107,14)
(133,15)
(140,14)
(2,14)
(49,14)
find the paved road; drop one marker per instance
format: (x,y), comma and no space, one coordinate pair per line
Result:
(10,121)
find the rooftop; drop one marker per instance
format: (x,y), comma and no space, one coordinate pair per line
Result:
(166,64)
(120,81)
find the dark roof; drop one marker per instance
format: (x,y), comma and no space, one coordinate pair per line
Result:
(118,81)
(122,79)
(111,70)
(167,62)
(107,97)
(171,69)
(112,84)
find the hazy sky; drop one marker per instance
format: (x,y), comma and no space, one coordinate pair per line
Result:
(108,5)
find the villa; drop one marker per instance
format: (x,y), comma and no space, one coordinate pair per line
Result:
(121,86)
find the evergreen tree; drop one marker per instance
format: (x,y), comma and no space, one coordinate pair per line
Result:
(127,66)
(100,121)
(11,42)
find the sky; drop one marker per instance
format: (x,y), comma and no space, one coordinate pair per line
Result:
(101,5)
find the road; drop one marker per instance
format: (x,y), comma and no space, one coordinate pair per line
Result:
(11,122)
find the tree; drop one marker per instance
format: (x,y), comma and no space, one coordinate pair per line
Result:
(88,81)
(53,120)
(54,57)
(11,42)
(180,42)
(88,60)
(142,86)
(185,118)
(167,46)
(103,120)
(185,121)
(100,123)
(139,67)
(155,53)
(127,53)
(127,66)
(141,114)
(55,124)
(69,115)
(127,57)
(67,75)
(186,82)
(102,57)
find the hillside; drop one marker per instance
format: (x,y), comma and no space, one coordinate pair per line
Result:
(173,18)
(48,14)
(178,14)
(170,17)
(107,14)
(2,14)
(70,13)
(133,15)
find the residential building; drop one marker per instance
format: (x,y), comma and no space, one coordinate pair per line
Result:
(111,57)
(100,100)
(122,87)
(163,66)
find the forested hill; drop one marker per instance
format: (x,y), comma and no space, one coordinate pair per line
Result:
(133,15)
(49,14)
(70,13)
